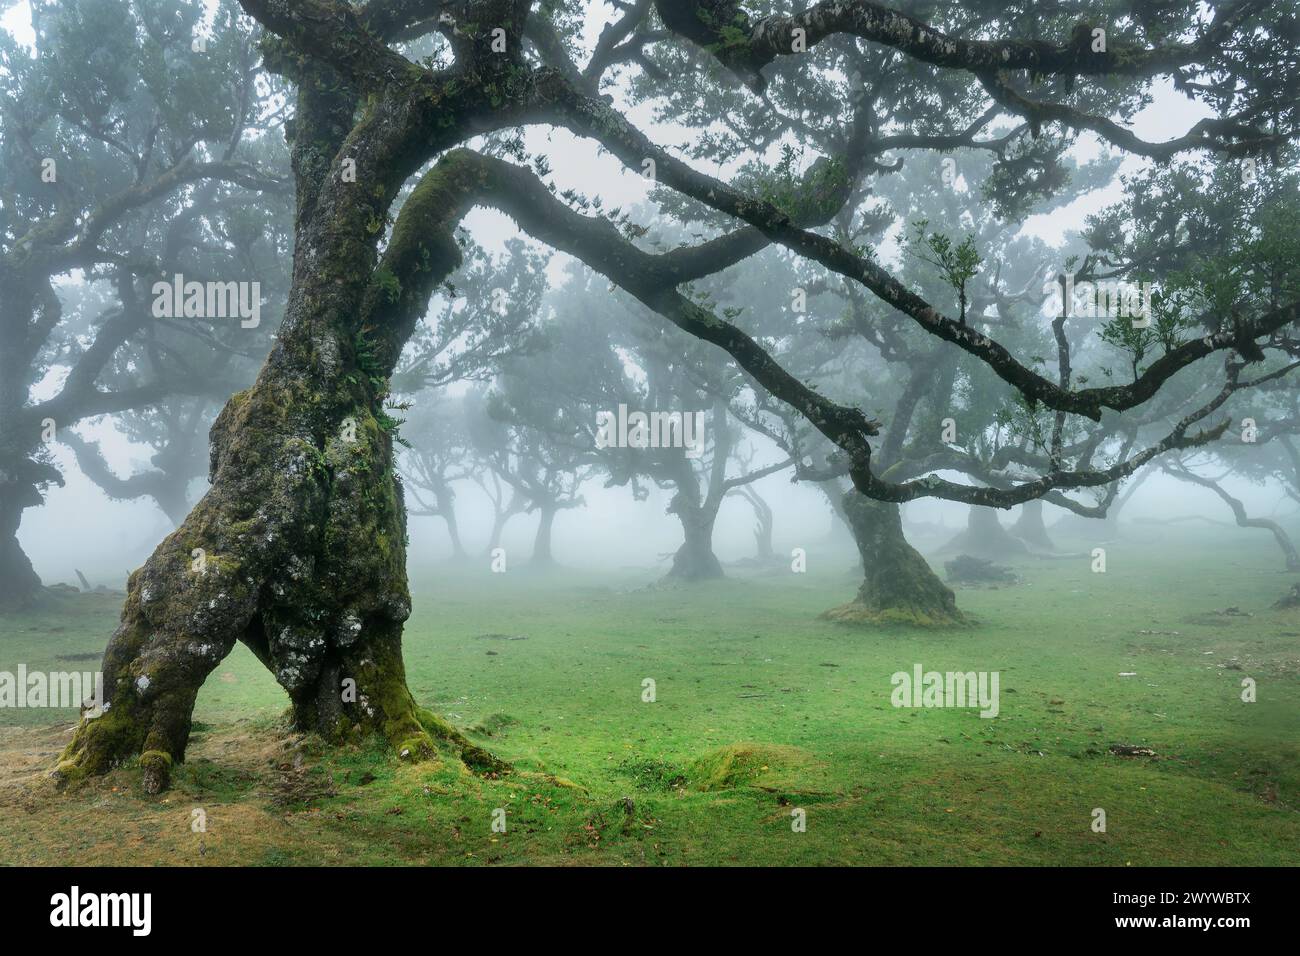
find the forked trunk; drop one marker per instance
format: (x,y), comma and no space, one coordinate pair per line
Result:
(298,548)
(899,587)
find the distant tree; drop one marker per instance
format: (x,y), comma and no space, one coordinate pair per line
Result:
(125,157)
(487,312)
(437,458)
(538,434)
(657,371)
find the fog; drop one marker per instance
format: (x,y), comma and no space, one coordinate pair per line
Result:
(80,528)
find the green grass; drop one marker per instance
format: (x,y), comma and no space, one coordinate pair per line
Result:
(761,709)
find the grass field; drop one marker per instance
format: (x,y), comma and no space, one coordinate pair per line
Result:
(761,709)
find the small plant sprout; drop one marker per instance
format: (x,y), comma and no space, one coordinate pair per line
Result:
(957,264)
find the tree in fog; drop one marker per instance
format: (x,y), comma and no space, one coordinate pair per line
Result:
(436,460)
(125,157)
(691,444)
(1227,241)
(304,525)
(486,313)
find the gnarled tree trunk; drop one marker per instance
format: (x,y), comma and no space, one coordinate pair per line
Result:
(694,560)
(985,537)
(298,548)
(899,586)
(19,583)
(1029,526)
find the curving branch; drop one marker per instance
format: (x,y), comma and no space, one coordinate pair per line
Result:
(1182,473)
(745,46)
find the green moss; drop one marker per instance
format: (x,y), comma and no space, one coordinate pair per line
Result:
(746,765)
(472,754)
(156,767)
(934,784)
(416,748)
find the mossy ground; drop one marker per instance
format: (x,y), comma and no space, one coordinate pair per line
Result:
(760,708)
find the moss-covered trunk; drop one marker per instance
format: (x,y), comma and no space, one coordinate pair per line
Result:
(898,586)
(298,550)
(299,547)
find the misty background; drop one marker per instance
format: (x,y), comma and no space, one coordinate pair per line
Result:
(80,527)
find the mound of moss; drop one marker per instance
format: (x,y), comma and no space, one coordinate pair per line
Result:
(748,765)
